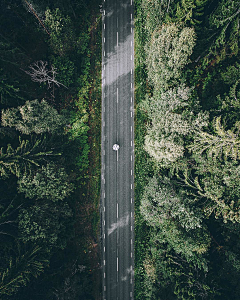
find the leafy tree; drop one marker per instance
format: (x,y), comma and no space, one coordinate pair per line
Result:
(62,36)
(34,117)
(49,182)
(178,225)
(168,53)
(155,13)
(45,223)
(171,121)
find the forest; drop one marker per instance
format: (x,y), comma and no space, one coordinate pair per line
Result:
(187,149)
(50,100)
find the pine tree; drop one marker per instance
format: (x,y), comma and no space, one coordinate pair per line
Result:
(19,270)
(224,144)
(20,160)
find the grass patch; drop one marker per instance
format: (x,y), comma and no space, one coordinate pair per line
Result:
(142,164)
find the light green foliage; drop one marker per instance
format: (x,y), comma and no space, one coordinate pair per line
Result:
(226,19)
(34,116)
(165,137)
(44,223)
(168,53)
(155,12)
(62,37)
(178,225)
(49,182)
(20,270)
(223,144)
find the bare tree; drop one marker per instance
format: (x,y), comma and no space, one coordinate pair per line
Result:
(40,72)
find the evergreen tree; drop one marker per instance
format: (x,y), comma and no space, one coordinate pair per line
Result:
(25,156)
(19,270)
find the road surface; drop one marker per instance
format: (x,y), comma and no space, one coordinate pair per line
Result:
(117,188)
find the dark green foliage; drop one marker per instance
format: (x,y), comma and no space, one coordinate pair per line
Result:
(18,270)
(44,144)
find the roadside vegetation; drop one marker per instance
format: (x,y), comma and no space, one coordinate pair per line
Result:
(187,150)
(50,103)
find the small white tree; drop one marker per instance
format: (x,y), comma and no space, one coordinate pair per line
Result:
(40,72)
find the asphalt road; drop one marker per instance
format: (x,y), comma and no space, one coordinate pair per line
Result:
(117,189)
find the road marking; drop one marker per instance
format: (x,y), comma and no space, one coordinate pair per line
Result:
(104,275)
(117,210)
(131,99)
(104,94)
(104,180)
(104,206)
(131,294)
(104,12)
(104,288)
(131,157)
(131,29)
(104,25)
(131,200)
(131,186)
(104,67)
(131,214)
(131,2)
(131,128)
(117,264)
(131,143)
(104,262)
(131,71)
(131,241)
(104,197)
(131,16)
(131,268)
(131,114)
(131,254)
(117,39)
(131,43)
(104,236)
(131,278)
(104,222)
(103,152)
(103,108)
(104,40)
(104,249)
(131,85)
(117,95)
(131,172)
(131,57)
(103,123)
(104,53)
(131,230)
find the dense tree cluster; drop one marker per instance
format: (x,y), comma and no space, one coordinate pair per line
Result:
(44,66)
(188,187)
